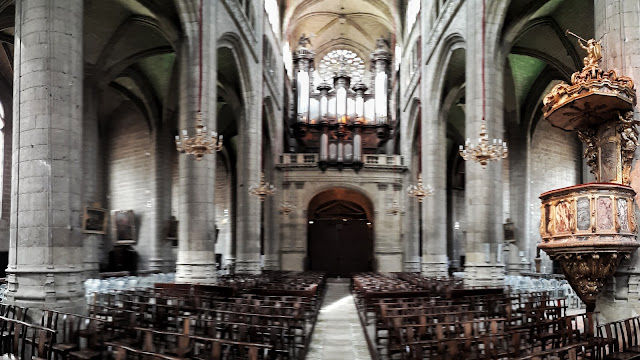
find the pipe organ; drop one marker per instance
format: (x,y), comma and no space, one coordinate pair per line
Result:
(341,118)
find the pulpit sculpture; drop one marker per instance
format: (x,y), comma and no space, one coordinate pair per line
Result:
(590,228)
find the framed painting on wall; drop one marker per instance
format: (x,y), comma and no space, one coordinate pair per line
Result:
(94,220)
(124,226)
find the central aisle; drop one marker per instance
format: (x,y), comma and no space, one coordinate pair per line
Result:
(338,334)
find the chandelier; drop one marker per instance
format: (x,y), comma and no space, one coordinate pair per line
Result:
(419,192)
(263,190)
(484,151)
(286,208)
(200,144)
(395,208)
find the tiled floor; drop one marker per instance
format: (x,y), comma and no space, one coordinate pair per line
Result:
(338,334)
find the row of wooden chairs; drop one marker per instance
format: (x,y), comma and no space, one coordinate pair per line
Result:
(453,323)
(261,324)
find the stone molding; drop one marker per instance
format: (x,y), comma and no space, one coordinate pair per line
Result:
(435,268)
(248,266)
(241,20)
(196,273)
(437,32)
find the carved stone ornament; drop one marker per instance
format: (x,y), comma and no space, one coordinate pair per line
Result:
(589,139)
(586,272)
(628,130)
(593,97)
(588,228)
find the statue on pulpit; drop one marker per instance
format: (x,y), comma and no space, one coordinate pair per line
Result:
(304,40)
(594,51)
(382,43)
(628,131)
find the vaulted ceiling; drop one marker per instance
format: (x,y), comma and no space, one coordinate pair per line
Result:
(341,24)
(130,46)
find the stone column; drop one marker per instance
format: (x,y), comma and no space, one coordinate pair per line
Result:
(160,210)
(271,216)
(45,251)
(248,241)
(434,219)
(410,238)
(519,170)
(434,165)
(617,23)
(483,187)
(93,186)
(293,228)
(196,211)
(249,168)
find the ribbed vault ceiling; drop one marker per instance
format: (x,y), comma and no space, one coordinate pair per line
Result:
(345,24)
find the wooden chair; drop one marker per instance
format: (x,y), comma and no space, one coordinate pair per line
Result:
(68,340)
(89,330)
(218,349)
(122,352)
(15,341)
(42,340)
(615,349)
(569,352)
(7,331)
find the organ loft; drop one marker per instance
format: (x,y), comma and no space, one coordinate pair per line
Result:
(319,179)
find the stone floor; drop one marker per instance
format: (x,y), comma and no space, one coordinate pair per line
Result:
(338,334)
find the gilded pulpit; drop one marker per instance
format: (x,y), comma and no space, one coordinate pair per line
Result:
(590,228)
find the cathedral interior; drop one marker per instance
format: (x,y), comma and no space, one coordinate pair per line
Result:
(285,179)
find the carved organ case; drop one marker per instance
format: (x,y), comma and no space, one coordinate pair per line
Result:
(338,116)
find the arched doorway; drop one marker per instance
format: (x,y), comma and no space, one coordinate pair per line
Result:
(340,232)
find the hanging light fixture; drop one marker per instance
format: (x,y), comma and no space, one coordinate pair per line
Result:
(419,192)
(395,208)
(200,144)
(286,207)
(484,151)
(263,190)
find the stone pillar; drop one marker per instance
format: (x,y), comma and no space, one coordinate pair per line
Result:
(410,237)
(271,240)
(617,23)
(293,228)
(196,211)
(271,216)
(160,197)
(45,251)
(483,187)
(93,186)
(248,241)
(434,219)
(433,141)
(249,168)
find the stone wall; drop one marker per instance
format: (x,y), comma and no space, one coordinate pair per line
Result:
(556,162)
(379,185)
(129,174)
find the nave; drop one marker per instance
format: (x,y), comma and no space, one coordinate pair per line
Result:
(294,315)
